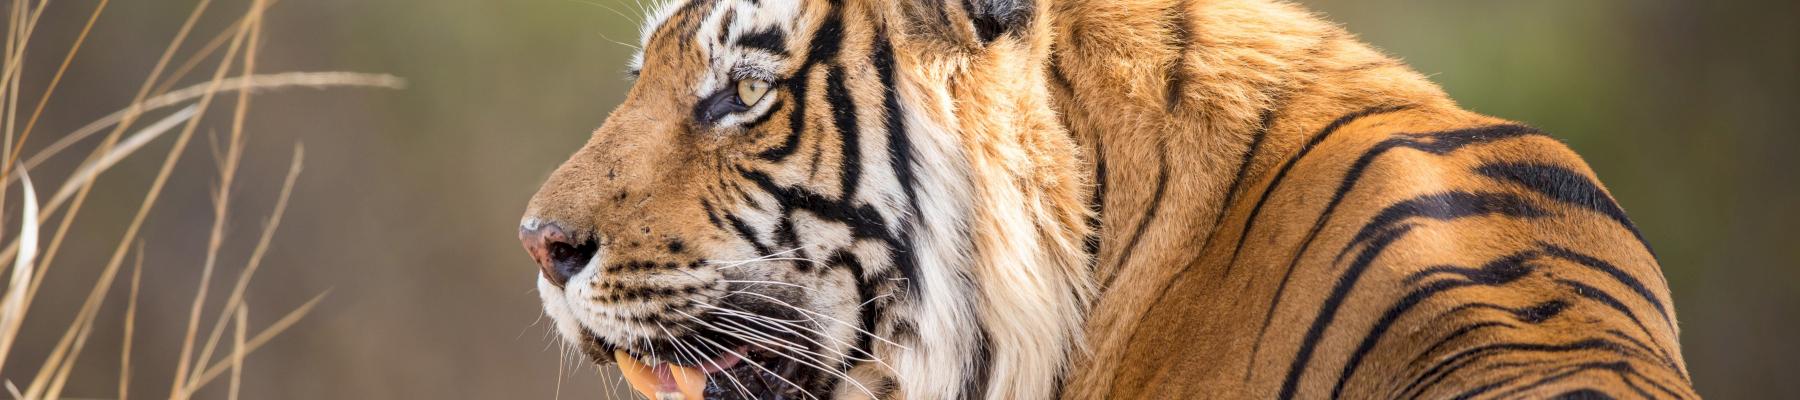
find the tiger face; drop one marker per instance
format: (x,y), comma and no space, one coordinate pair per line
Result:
(746,215)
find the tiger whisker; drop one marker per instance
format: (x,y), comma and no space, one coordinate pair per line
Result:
(740,386)
(769,257)
(873,299)
(740,264)
(768,282)
(754,284)
(810,363)
(812,319)
(740,328)
(750,314)
(790,327)
(764,341)
(763,337)
(828,317)
(758,366)
(846,355)
(682,348)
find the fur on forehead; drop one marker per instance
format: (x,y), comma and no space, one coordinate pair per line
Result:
(747,17)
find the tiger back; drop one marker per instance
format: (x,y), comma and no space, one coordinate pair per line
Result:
(1287,213)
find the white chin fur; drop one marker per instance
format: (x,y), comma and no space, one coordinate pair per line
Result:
(558,310)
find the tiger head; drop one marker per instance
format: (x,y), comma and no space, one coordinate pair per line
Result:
(792,202)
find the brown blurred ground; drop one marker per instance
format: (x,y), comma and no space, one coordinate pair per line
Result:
(407,208)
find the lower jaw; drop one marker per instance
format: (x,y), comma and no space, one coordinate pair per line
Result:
(727,378)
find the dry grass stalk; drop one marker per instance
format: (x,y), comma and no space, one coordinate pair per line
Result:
(137,274)
(89,309)
(50,89)
(12,309)
(237,352)
(252,28)
(29,264)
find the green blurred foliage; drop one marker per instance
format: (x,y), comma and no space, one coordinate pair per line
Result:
(407,211)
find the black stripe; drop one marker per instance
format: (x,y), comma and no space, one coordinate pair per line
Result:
(1443,207)
(1658,352)
(1478,390)
(749,235)
(1280,175)
(1441,143)
(1458,334)
(843,113)
(1618,367)
(1156,199)
(769,39)
(797,88)
(862,219)
(1583,394)
(1567,186)
(1243,170)
(900,158)
(1449,365)
(827,42)
(1498,272)
(1177,74)
(1617,274)
(1328,310)
(1535,314)
(1598,295)
(712,214)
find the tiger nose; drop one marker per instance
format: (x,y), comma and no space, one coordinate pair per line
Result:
(557,254)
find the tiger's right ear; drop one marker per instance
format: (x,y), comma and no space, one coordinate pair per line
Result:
(967,23)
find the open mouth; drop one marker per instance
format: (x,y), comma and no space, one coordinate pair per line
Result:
(733,376)
(743,372)
(748,347)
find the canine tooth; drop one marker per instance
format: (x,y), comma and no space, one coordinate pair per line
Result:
(642,377)
(650,379)
(690,381)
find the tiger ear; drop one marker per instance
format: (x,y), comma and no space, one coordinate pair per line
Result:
(968,22)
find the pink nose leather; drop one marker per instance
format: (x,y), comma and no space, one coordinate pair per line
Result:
(538,239)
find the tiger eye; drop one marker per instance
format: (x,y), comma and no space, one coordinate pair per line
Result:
(751,91)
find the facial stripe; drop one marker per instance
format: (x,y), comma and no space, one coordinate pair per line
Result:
(900,158)
(844,119)
(826,41)
(770,39)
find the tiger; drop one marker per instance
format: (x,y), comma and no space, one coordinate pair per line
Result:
(1079,199)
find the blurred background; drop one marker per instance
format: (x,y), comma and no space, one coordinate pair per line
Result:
(407,208)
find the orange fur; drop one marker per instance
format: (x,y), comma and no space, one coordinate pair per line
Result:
(1276,210)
